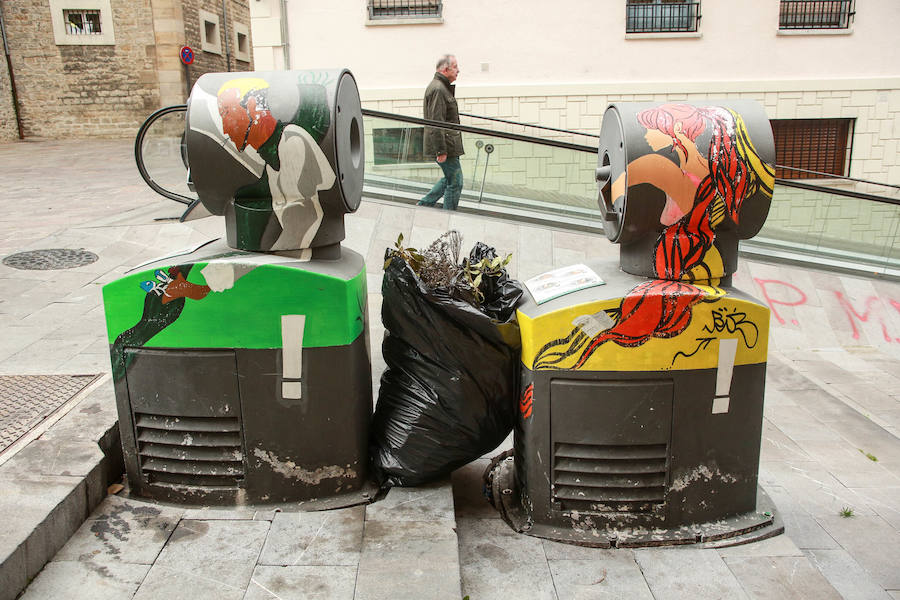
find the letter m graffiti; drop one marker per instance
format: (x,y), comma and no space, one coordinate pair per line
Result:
(872,305)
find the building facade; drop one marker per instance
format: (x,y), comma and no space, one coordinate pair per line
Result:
(834,65)
(85,68)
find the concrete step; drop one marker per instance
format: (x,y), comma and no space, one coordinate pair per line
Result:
(49,487)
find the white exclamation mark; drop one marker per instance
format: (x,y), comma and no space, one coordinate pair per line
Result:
(727,350)
(291,355)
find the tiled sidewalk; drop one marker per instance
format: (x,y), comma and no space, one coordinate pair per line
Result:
(831,401)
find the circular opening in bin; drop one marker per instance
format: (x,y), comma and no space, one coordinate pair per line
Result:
(605,184)
(355,142)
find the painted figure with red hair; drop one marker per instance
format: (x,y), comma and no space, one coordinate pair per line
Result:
(705,185)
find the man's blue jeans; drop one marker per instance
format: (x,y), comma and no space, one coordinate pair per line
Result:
(450,185)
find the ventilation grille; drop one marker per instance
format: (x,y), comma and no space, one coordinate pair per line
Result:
(628,479)
(202,452)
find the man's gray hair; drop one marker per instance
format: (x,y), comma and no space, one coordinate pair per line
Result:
(444,62)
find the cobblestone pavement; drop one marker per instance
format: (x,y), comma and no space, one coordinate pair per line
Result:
(831,409)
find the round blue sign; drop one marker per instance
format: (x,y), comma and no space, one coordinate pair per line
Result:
(187,55)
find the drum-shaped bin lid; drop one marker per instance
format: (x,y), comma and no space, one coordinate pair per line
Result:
(349,148)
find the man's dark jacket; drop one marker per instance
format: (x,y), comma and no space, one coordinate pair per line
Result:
(440,105)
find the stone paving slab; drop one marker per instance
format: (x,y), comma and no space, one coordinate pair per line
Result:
(802,527)
(850,580)
(69,457)
(874,544)
(883,501)
(85,580)
(206,559)
(122,530)
(302,583)
(780,545)
(778,446)
(812,488)
(788,577)
(428,502)
(675,574)
(610,575)
(225,513)
(408,560)
(95,418)
(850,465)
(498,563)
(332,538)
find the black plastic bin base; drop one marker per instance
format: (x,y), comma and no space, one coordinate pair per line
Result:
(588,530)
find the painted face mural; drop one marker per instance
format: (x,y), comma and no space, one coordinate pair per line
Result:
(246,119)
(704,187)
(295,167)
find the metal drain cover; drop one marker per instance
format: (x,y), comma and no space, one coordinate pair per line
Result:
(26,400)
(47,260)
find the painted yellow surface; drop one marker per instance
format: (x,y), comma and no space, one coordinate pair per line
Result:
(696,347)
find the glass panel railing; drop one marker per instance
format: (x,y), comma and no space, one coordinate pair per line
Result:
(161,155)
(506,175)
(531,130)
(838,223)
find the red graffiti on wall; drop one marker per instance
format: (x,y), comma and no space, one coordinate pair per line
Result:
(776,292)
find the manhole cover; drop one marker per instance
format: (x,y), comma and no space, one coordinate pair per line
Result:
(26,400)
(47,260)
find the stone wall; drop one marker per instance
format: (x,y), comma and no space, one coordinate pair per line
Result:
(210,62)
(79,91)
(106,90)
(8,130)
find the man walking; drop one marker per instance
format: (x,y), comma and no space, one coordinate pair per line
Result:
(444,144)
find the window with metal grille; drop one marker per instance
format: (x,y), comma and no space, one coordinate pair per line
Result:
(661,16)
(805,148)
(82,21)
(404,9)
(815,14)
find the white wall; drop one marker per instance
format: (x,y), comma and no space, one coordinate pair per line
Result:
(265,25)
(584,41)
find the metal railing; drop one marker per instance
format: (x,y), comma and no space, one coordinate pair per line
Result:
(404,9)
(815,14)
(664,16)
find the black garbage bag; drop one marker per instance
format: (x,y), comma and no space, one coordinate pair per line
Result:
(501,294)
(448,394)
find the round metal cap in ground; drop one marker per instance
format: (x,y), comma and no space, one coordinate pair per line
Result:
(47,260)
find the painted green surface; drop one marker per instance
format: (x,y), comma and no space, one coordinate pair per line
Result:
(247,315)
